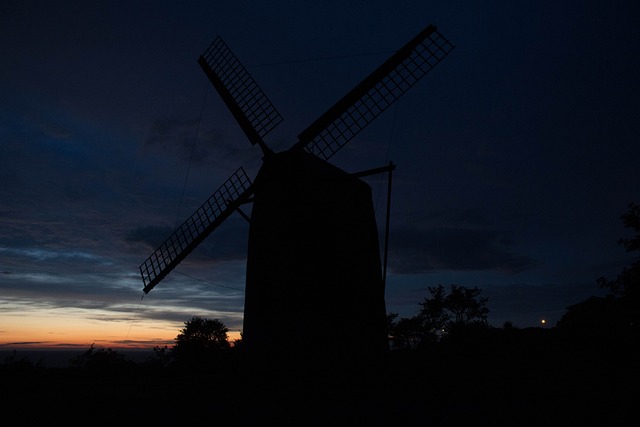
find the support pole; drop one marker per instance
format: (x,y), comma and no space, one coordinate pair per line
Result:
(386,231)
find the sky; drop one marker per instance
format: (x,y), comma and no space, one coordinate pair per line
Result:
(515,156)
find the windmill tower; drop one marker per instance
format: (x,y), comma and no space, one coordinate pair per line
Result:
(313,261)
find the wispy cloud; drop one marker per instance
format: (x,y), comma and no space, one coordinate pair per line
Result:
(227,242)
(186,140)
(418,250)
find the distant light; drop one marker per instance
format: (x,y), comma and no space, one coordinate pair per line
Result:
(543,322)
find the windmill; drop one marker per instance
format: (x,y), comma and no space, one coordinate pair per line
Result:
(313,260)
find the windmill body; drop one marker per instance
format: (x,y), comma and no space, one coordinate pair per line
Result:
(313,264)
(314,283)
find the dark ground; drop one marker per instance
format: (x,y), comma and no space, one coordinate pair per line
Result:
(537,384)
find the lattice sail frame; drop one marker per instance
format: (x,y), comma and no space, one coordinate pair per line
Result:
(226,199)
(374,94)
(247,102)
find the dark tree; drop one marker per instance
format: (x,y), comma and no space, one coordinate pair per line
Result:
(102,360)
(161,358)
(625,288)
(461,310)
(14,363)
(200,342)
(466,306)
(627,284)
(631,219)
(434,314)
(406,333)
(458,313)
(238,342)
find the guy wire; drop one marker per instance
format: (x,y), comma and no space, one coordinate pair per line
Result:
(134,317)
(193,147)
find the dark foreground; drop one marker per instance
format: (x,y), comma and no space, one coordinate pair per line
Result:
(551,384)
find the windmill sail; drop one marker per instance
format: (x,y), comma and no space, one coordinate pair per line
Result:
(196,228)
(249,105)
(374,94)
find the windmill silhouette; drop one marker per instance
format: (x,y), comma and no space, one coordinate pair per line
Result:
(313,260)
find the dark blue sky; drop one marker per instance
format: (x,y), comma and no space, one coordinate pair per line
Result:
(515,156)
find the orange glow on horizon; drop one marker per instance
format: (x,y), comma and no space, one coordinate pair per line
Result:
(69,332)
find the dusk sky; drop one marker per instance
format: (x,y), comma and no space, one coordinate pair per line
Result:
(515,156)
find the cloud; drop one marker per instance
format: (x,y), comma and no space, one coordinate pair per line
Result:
(174,137)
(44,254)
(150,236)
(181,139)
(227,242)
(417,250)
(56,131)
